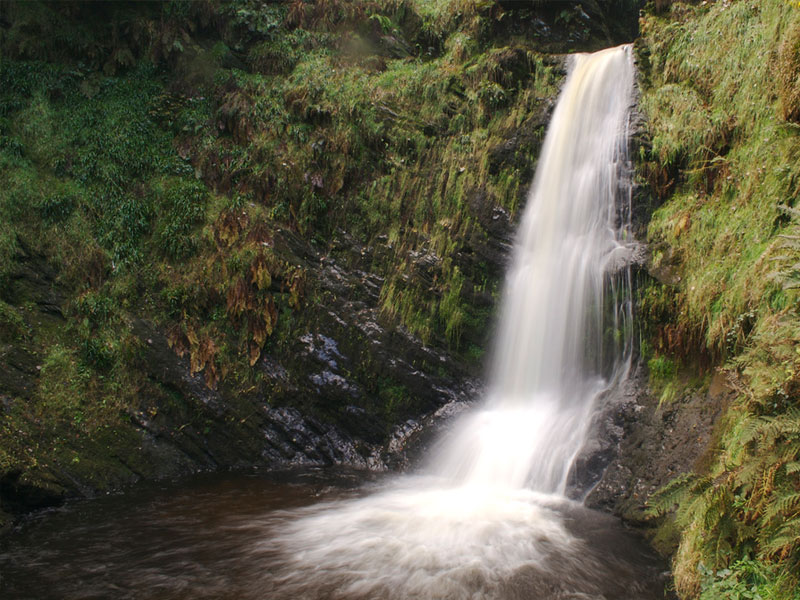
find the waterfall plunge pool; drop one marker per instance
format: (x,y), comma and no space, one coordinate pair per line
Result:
(325,534)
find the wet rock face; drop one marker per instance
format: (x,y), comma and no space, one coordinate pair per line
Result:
(641,445)
(273,435)
(33,284)
(572,25)
(353,368)
(348,388)
(332,394)
(603,445)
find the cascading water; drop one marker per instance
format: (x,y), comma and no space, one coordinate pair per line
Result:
(547,369)
(489,511)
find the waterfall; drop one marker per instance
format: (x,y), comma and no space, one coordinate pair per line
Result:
(548,362)
(488,510)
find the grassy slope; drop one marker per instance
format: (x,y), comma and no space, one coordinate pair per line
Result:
(720,97)
(153,190)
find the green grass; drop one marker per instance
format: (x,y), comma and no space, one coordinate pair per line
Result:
(724,162)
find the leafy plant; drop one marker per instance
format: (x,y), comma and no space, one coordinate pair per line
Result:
(724,162)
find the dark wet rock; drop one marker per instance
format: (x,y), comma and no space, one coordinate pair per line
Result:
(20,366)
(616,408)
(16,495)
(416,439)
(394,46)
(643,201)
(33,285)
(324,393)
(664,266)
(34,281)
(658,442)
(570,25)
(294,440)
(284,436)
(161,363)
(33,292)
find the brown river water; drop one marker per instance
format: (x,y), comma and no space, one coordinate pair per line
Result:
(264,537)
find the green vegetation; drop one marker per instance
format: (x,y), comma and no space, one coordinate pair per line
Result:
(156,158)
(720,99)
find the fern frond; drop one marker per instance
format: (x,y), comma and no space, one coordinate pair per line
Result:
(793,467)
(750,474)
(767,482)
(752,429)
(785,541)
(785,425)
(788,453)
(671,495)
(782,506)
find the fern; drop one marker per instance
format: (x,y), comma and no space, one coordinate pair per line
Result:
(752,429)
(749,501)
(784,542)
(789,452)
(671,495)
(782,505)
(783,425)
(793,467)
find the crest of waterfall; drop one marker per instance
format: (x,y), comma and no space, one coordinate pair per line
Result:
(564,330)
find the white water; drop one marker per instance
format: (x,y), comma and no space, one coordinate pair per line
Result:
(546,372)
(488,508)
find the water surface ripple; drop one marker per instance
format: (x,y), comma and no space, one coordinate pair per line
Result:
(316,535)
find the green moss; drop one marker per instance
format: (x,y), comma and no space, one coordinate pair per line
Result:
(12,325)
(662,372)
